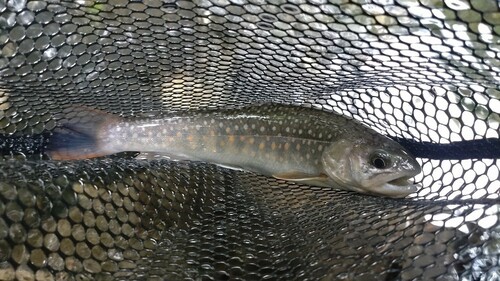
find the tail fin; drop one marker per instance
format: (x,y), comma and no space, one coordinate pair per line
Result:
(80,137)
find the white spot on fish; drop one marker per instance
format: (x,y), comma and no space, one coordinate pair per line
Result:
(221,125)
(300,131)
(245,126)
(262,129)
(287,129)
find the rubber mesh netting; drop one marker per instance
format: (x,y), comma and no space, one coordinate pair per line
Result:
(426,72)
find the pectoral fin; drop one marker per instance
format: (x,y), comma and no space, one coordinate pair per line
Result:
(299,177)
(231,167)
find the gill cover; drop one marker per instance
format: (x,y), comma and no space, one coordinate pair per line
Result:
(337,165)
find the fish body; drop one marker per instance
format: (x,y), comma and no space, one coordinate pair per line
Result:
(287,142)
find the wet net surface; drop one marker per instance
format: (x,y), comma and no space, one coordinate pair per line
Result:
(424,71)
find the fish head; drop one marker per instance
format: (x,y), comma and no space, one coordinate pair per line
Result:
(377,166)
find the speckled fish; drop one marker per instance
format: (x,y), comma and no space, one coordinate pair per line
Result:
(286,142)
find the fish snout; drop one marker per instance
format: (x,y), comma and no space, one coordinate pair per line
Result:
(411,166)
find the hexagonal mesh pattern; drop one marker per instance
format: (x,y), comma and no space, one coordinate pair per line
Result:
(424,72)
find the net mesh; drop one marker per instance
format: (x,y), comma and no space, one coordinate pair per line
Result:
(421,71)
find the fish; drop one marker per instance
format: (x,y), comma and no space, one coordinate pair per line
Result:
(287,142)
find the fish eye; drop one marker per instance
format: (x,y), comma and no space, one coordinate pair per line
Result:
(380,161)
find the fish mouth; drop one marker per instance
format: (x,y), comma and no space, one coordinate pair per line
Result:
(395,187)
(398,187)
(401,181)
